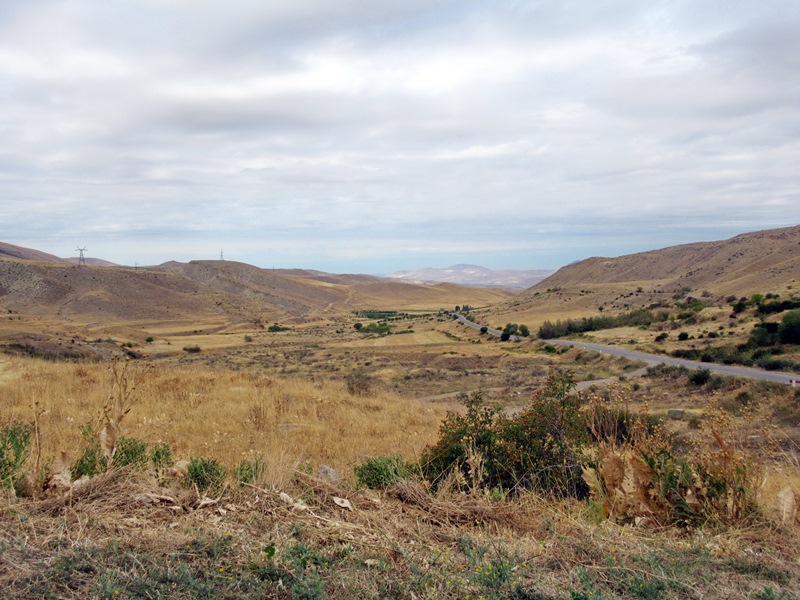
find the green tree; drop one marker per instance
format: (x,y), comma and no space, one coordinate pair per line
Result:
(789,329)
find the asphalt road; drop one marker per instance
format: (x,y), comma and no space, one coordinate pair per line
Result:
(655,359)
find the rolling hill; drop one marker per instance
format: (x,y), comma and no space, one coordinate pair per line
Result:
(40,298)
(759,262)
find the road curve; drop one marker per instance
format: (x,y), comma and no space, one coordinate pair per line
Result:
(655,359)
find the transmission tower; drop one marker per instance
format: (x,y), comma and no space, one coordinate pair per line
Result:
(221,257)
(81,259)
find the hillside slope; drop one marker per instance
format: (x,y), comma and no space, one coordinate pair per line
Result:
(20,253)
(749,262)
(759,262)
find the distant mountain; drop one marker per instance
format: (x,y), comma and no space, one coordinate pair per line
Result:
(474,275)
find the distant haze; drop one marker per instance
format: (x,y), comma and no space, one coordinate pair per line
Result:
(475,275)
(371,137)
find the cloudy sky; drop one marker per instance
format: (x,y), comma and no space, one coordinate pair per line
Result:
(370,136)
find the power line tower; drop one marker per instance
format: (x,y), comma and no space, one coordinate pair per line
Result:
(81,259)
(221,257)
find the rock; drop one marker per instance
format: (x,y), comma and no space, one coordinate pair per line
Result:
(676,413)
(328,473)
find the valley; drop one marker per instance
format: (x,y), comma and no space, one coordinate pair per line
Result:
(182,421)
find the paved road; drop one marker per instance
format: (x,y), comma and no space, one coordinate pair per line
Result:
(655,359)
(464,321)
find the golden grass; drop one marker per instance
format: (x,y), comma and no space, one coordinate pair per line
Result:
(227,416)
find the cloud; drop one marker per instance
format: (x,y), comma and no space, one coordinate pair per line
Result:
(359,134)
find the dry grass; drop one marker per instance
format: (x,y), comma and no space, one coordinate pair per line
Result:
(222,415)
(119,538)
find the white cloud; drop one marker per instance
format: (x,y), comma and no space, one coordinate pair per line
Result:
(374,131)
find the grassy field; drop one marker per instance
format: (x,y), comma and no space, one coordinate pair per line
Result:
(240,509)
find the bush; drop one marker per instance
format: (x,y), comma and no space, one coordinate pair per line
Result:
(192,349)
(91,462)
(161,456)
(789,329)
(251,471)
(15,442)
(538,448)
(700,377)
(379,472)
(130,452)
(207,474)
(359,383)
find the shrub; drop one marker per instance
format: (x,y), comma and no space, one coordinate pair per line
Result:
(192,349)
(15,442)
(130,452)
(662,336)
(91,462)
(484,329)
(683,336)
(149,339)
(700,377)
(251,471)
(206,474)
(380,472)
(277,328)
(248,338)
(161,456)
(359,383)
(537,448)
(789,329)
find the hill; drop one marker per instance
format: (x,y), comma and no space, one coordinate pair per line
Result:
(759,262)
(20,253)
(42,303)
(474,275)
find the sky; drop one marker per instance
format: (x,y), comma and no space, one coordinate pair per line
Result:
(367,136)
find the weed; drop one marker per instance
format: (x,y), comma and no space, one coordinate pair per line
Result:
(15,443)
(380,472)
(206,474)
(91,462)
(161,456)
(131,452)
(251,471)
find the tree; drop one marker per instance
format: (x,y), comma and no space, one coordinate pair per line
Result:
(524,331)
(789,329)
(357,326)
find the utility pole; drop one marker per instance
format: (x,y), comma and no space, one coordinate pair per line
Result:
(81,259)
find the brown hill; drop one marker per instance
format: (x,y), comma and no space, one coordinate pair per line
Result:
(38,298)
(763,261)
(20,253)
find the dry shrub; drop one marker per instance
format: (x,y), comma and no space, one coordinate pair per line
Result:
(644,479)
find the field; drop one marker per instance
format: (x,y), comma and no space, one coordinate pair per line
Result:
(354,441)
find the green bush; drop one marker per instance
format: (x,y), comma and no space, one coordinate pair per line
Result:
(538,448)
(161,456)
(206,473)
(789,329)
(700,377)
(91,462)
(251,471)
(379,472)
(131,452)
(15,444)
